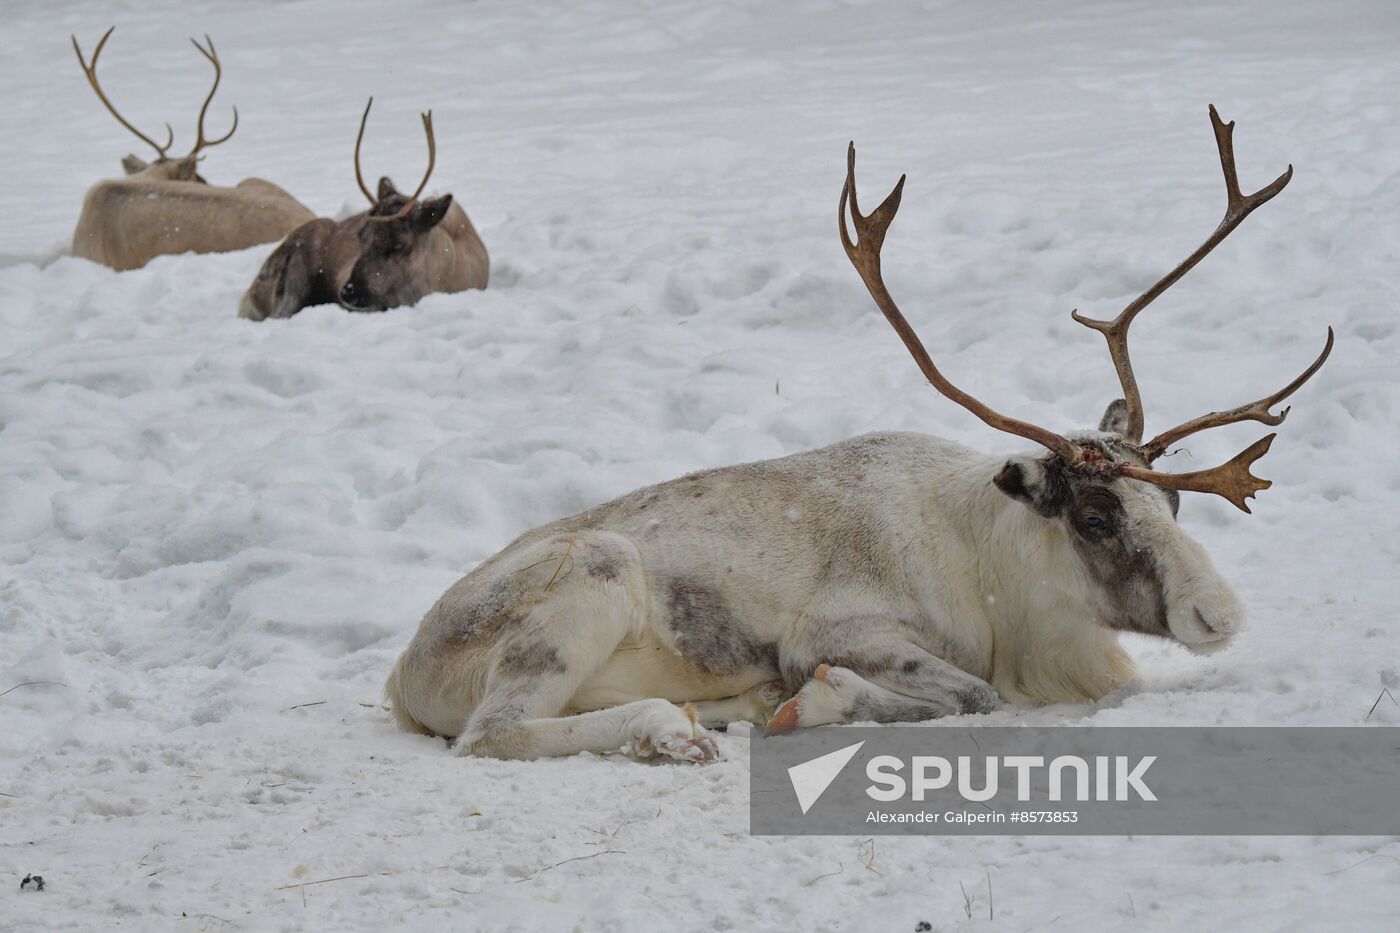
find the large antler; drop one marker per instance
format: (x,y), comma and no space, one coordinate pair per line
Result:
(1232,480)
(91,72)
(432,161)
(864,253)
(1237,207)
(200,142)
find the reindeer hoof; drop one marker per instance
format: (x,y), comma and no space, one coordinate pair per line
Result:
(698,749)
(822,700)
(785,720)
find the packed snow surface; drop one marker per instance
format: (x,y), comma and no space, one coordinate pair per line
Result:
(219,534)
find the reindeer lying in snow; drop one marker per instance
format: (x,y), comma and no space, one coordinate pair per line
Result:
(393,254)
(890,577)
(165,207)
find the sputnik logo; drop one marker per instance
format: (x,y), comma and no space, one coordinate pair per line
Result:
(811,778)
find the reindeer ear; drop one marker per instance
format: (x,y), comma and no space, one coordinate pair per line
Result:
(1115,417)
(131,165)
(428,214)
(386,188)
(1037,482)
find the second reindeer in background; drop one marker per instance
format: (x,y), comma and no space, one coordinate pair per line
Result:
(393,254)
(164,207)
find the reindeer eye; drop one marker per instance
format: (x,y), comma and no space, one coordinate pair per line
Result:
(1094,525)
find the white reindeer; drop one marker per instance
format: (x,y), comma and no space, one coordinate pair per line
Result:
(889,577)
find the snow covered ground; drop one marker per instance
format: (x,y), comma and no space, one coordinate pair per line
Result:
(219,534)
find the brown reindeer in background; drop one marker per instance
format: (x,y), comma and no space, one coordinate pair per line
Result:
(391,255)
(165,207)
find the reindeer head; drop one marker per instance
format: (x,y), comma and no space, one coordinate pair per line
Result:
(1116,512)
(165,167)
(390,270)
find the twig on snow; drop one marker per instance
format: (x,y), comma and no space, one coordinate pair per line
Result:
(830,874)
(865,854)
(307,884)
(576,858)
(304,706)
(606,835)
(304,831)
(1364,861)
(34,683)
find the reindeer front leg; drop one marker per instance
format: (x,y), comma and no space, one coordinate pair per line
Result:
(885,680)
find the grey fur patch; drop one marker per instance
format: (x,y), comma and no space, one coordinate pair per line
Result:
(867,664)
(1127,574)
(530,659)
(977,698)
(709,635)
(498,733)
(500,718)
(602,565)
(499,608)
(933,695)
(883,707)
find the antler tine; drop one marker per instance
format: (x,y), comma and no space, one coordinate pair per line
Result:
(91,72)
(1238,206)
(359,138)
(864,254)
(432,161)
(1254,411)
(1231,481)
(200,142)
